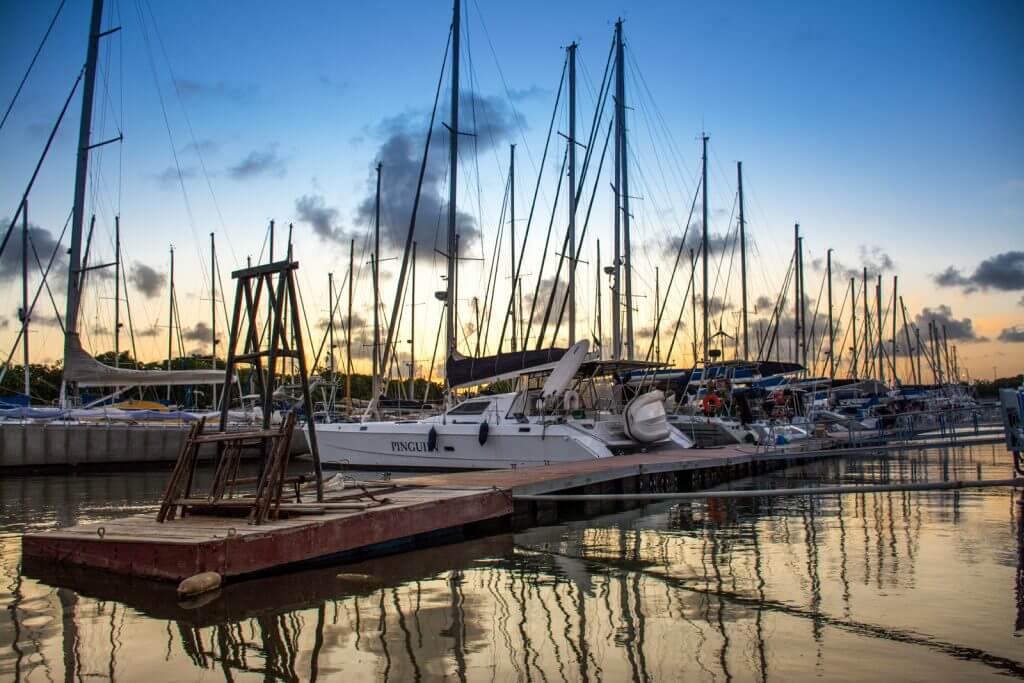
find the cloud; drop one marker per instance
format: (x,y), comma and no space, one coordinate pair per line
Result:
(312,209)
(961,329)
(200,332)
(147,280)
(204,146)
(335,86)
(717,242)
(219,90)
(528,93)
(168,178)
(151,331)
(492,122)
(1013,334)
(259,163)
(763,304)
(716,306)
(871,257)
(44,243)
(1021,302)
(1003,272)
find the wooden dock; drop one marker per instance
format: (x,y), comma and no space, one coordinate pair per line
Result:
(418,511)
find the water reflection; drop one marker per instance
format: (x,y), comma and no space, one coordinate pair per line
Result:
(858,586)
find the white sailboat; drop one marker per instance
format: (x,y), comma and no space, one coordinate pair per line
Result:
(564,408)
(571,416)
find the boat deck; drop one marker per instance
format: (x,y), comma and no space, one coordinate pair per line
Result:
(436,505)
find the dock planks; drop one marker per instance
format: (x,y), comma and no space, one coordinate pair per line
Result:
(178,548)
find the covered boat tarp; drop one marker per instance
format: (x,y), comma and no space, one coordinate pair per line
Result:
(105,414)
(86,371)
(464,371)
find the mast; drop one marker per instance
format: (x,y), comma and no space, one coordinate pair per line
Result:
(693,302)
(24,299)
(348,327)
(412,326)
(81,173)
(879,360)
(910,348)
(375,262)
(117,291)
(796,293)
(170,321)
(330,340)
(512,235)
(831,327)
(600,330)
(213,312)
(867,329)
(657,309)
(572,195)
(945,350)
(617,256)
(453,170)
(704,241)
(743,260)
(623,156)
(895,280)
(803,303)
(853,315)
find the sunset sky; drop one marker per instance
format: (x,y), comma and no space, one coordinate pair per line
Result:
(890,131)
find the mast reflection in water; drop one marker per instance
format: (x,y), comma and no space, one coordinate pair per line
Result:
(923,585)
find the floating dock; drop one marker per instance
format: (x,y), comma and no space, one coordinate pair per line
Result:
(406,513)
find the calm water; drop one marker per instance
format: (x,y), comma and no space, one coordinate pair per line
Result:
(885,586)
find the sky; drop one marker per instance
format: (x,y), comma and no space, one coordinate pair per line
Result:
(889,131)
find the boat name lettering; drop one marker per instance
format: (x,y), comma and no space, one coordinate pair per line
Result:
(407,446)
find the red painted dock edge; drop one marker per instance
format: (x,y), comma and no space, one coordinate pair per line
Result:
(261,550)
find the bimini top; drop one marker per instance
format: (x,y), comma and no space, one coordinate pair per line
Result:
(464,371)
(86,371)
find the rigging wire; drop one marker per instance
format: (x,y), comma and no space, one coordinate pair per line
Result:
(32,63)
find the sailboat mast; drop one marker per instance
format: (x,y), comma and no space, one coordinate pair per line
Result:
(600,329)
(81,173)
(617,257)
(704,242)
(572,194)
(375,261)
(743,259)
(831,326)
(879,362)
(213,312)
(627,261)
(797,332)
(512,234)
(117,291)
(348,326)
(412,326)
(657,309)
(453,170)
(910,348)
(693,302)
(853,317)
(24,299)
(867,329)
(170,321)
(895,280)
(330,340)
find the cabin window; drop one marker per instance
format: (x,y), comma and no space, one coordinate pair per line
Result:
(470,408)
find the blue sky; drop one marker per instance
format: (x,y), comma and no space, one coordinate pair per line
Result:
(888,125)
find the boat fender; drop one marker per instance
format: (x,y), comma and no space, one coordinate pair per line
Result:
(432,440)
(481,437)
(199,583)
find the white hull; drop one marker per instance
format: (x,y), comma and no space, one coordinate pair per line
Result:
(388,445)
